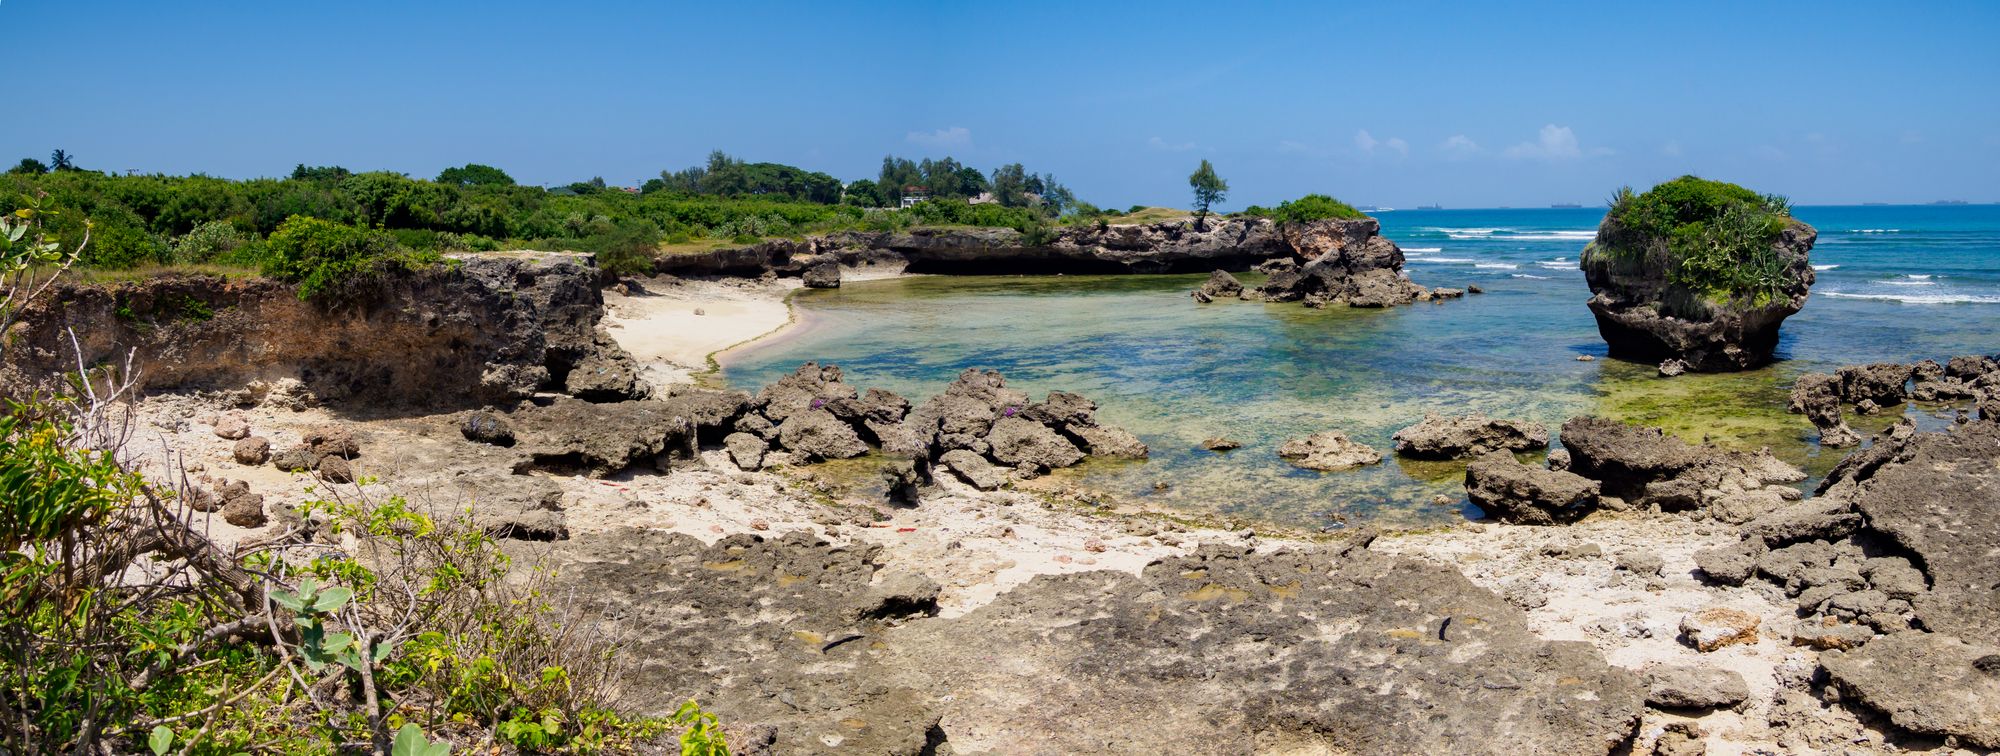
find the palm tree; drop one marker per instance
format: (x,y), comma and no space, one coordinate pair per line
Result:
(59,161)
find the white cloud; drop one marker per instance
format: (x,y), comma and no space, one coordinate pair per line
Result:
(1368,144)
(1162,144)
(1769,152)
(956,136)
(1459,146)
(1671,149)
(1555,143)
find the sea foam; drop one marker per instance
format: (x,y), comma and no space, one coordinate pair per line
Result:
(1924,299)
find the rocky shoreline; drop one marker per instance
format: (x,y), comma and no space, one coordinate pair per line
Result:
(1638,594)
(1335,261)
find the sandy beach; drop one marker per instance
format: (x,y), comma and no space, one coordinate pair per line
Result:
(675,326)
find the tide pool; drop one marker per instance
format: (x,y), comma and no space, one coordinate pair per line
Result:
(1176,372)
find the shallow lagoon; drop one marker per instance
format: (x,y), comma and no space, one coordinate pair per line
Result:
(1175,372)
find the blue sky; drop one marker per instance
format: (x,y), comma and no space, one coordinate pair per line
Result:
(1380,103)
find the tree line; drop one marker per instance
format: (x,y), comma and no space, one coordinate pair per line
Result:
(156,219)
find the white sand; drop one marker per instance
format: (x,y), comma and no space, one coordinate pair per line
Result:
(672,328)
(675,326)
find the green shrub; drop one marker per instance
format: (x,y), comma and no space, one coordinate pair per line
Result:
(208,242)
(1311,207)
(1714,239)
(325,257)
(627,249)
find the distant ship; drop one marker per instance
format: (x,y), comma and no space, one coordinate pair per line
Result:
(1951,202)
(1566,206)
(1430,207)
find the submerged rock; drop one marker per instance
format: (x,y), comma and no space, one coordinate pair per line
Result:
(1220,284)
(1442,437)
(1114,443)
(1327,450)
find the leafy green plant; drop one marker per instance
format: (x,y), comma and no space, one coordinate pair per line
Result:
(410,741)
(1714,239)
(703,736)
(209,242)
(324,257)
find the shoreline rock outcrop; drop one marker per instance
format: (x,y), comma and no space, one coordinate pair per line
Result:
(1878,387)
(1339,262)
(492,328)
(1307,642)
(1645,315)
(1321,262)
(1892,564)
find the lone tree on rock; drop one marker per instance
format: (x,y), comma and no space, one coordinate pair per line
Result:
(1208,190)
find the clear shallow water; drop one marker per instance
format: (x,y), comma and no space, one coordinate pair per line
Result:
(1175,372)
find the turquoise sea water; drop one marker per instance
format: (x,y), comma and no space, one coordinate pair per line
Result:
(1896,283)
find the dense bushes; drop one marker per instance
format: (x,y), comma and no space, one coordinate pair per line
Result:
(1713,238)
(1311,207)
(148,220)
(324,257)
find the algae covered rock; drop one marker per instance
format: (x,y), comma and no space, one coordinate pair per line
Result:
(1327,450)
(1442,437)
(1699,271)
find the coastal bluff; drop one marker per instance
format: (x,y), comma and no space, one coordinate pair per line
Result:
(1319,262)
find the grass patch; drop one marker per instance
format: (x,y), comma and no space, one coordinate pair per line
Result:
(1150,215)
(696,246)
(152,271)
